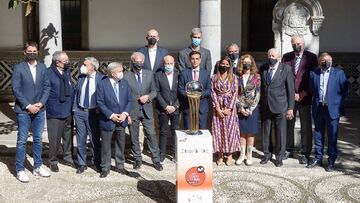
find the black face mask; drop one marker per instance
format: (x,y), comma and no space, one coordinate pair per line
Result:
(233,56)
(246,66)
(67,66)
(31,56)
(223,69)
(272,61)
(151,41)
(137,66)
(296,48)
(326,65)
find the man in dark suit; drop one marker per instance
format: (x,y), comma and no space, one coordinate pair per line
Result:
(86,113)
(329,88)
(167,104)
(143,91)
(184,62)
(276,103)
(203,76)
(153,53)
(302,62)
(31,88)
(115,107)
(58,110)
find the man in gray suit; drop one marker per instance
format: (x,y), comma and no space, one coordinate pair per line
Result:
(184,61)
(143,91)
(277,103)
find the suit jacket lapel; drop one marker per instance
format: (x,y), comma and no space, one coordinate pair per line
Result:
(27,70)
(277,73)
(111,87)
(157,56)
(37,75)
(147,57)
(165,78)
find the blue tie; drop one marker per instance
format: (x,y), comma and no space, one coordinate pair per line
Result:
(269,77)
(116,91)
(86,98)
(138,78)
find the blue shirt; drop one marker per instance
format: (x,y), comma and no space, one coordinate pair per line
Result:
(324,78)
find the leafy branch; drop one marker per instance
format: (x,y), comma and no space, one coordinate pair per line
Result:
(13,4)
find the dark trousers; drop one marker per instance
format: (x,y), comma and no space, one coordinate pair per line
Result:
(57,129)
(279,121)
(305,130)
(167,131)
(149,131)
(322,120)
(87,123)
(203,117)
(106,137)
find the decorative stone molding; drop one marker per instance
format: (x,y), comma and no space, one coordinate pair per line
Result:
(297,17)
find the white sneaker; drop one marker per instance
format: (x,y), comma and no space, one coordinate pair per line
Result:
(162,162)
(41,172)
(22,177)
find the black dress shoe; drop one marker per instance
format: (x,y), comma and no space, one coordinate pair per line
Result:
(103,174)
(330,168)
(54,168)
(314,162)
(158,166)
(122,171)
(303,159)
(278,163)
(137,165)
(69,163)
(265,160)
(81,169)
(288,155)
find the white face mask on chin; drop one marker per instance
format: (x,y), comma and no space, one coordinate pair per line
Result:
(119,75)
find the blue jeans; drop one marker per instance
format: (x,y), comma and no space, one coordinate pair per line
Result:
(37,122)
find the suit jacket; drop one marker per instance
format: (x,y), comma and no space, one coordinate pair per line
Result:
(337,90)
(78,87)
(184,62)
(54,107)
(279,94)
(147,88)
(165,95)
(204,79)
(25,90)
(107,102)
(159,58)
(308,62)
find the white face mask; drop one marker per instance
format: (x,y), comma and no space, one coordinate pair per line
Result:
(83,70)
(119,75)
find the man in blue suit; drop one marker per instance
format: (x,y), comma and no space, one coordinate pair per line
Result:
(86,113)
(115,107)
(153,53)
(329,88)
(58,110)
(203,76)
(31,88)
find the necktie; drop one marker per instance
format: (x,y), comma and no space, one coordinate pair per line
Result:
(86,98)
(297,64)
(138,77)
(116,91)
(196,75)
(269,77)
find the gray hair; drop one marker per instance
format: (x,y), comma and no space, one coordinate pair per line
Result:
(133,55)
(93,61)
(298,36)
(194,31)
(232,45)
(274,51)
(112,66)
(57,55)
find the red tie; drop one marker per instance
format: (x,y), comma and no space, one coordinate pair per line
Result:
(196,75)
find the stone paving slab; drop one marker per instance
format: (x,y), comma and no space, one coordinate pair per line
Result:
(290,183)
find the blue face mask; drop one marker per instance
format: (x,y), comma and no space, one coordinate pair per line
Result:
(168,69)
(195,41)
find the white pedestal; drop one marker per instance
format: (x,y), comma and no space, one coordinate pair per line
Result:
(194,167)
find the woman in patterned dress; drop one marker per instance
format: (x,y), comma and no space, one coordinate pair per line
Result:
(225,122)
(249,95)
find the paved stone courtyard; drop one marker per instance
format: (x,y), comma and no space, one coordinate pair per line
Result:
(290,183)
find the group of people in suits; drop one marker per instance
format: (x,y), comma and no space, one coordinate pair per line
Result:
(237,95)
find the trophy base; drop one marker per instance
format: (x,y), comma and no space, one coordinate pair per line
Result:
(193,132)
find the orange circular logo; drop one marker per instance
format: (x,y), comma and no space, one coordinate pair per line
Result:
(195,176)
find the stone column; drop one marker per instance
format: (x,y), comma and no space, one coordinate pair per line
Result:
(210,24)
(50,28)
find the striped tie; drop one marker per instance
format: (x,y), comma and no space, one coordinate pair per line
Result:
(297,64)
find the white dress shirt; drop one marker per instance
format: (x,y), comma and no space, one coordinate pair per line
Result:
(170,77)
(92,89)
(275,67)
(152,55)
(324,78)
(33,70)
